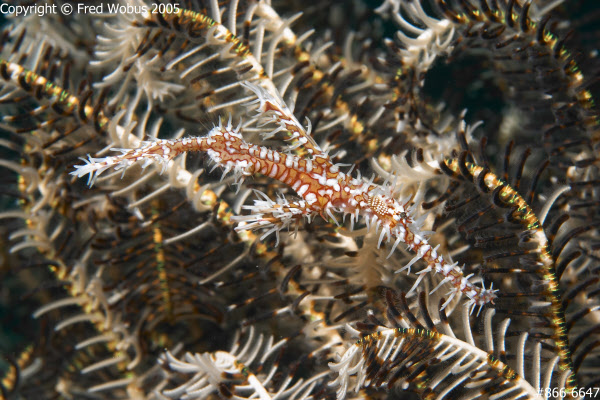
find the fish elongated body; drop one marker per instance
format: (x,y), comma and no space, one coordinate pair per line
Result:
(324,189)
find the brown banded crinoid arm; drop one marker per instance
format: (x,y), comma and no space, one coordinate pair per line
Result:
(447,365)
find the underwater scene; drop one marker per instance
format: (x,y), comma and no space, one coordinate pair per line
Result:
(288,200)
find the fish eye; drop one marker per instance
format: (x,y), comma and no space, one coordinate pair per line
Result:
(403,215)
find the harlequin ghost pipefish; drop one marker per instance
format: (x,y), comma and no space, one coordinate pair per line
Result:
(324,189)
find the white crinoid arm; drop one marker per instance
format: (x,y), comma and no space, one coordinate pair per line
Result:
(349,364)
(246,370)
(424,38)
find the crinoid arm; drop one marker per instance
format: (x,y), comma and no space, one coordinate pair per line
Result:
(392,357)
(437,360)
